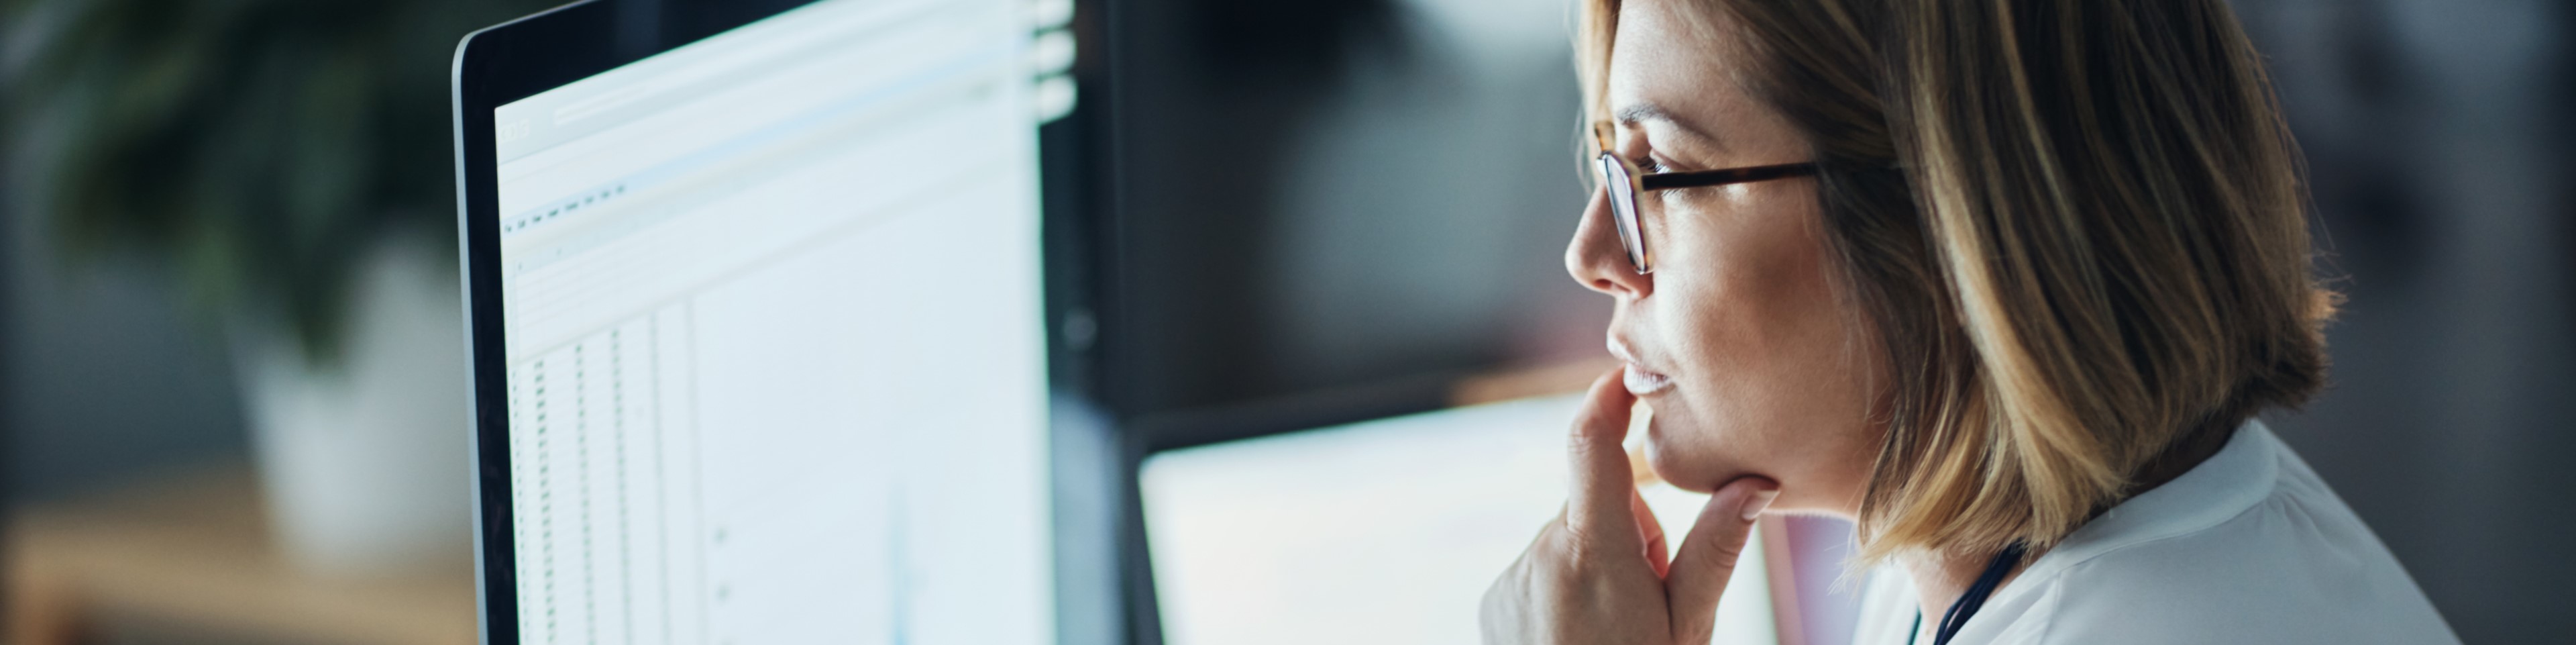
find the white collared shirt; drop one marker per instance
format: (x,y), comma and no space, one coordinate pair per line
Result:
(2247,547)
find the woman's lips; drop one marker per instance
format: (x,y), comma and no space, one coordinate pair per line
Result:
(1640,381)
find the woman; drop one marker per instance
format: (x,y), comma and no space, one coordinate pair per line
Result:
(2002,281)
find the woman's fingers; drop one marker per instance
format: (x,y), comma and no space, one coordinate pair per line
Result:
(1579,580)
(1707,555)
(1657,554)
(1598,511)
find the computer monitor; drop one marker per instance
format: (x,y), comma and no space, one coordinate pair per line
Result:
(1384,531)
(757,321)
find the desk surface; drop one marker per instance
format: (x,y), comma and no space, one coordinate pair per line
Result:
(193,552)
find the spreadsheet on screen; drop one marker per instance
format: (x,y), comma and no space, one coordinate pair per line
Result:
(774,342)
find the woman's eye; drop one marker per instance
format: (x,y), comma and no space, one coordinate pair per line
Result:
(1650,165)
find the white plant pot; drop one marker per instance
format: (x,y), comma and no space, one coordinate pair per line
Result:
(365,464)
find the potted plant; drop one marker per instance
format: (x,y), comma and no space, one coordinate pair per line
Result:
(287,165)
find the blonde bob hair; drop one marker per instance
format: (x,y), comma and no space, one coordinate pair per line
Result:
(2077,228)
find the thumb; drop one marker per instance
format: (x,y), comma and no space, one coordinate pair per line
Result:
(1707,555)
(1599,509)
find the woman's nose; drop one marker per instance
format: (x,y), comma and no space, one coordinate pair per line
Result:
(1595,258)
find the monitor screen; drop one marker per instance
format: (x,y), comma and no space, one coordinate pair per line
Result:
(775,352)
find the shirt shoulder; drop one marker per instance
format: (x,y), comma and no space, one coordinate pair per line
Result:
(2257,550)
(2248,547)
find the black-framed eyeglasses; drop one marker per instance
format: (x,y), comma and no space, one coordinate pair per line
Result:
(1625,182)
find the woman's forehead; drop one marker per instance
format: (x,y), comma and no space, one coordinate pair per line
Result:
(1658,55)
(1668,64)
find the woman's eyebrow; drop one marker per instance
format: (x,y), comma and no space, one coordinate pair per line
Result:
(1636,114)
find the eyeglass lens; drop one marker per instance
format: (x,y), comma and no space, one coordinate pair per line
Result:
(1623,208)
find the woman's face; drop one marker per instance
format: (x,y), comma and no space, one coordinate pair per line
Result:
(1740,343)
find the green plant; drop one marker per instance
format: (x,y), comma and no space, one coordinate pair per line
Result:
(253,149)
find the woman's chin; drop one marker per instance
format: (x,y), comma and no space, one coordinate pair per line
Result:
(1671,461)
(1683,453)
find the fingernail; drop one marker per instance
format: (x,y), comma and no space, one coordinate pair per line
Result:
(1755,503)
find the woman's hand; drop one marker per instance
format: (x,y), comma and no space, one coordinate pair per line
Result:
(1598,574)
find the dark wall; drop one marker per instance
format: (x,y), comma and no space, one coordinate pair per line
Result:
(2439,142)
(101,377)
(1321,195)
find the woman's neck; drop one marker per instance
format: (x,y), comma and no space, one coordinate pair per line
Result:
(1941,578)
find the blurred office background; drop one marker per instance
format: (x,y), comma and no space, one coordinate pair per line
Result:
(1336,207)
